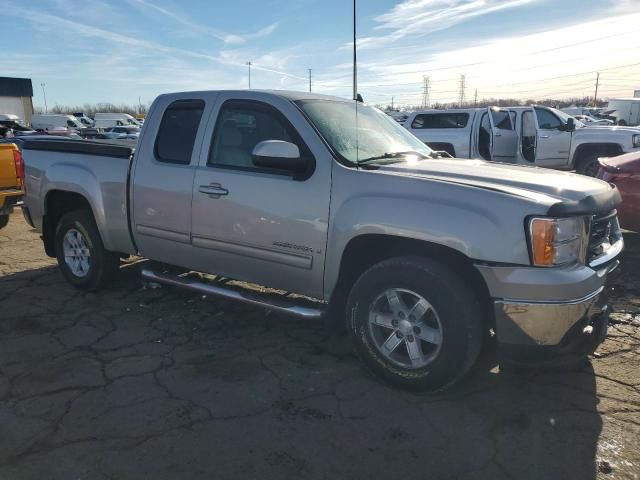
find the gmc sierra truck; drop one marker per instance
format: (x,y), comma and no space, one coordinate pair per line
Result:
(536,135)
(423,257)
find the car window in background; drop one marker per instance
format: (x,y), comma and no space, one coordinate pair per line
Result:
(547,120)
(440,120)
(177,132)
(501,119)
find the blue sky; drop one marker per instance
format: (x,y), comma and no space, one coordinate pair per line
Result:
(121,50)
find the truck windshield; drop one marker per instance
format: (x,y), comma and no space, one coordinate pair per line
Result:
(374,135)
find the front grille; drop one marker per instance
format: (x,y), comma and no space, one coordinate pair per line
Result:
(605,232)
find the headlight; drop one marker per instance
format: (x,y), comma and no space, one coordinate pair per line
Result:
(558,241)
(635,140)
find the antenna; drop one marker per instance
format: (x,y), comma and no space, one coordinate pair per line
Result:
(355,58)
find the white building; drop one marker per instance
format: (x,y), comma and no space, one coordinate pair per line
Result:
(16,97)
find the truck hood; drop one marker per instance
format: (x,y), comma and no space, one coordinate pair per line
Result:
(615,131)
(566,192)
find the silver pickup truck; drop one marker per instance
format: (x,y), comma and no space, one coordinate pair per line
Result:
(537,135)
(424,258)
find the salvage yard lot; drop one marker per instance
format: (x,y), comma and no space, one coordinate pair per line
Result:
(160,383)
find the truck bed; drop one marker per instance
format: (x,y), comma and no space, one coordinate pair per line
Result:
(96,170)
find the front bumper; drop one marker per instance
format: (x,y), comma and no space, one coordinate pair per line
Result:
(541,322)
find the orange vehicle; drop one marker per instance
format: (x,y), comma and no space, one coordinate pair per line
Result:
(11,180)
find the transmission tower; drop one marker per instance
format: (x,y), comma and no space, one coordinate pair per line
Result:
(425,92)
(463,87)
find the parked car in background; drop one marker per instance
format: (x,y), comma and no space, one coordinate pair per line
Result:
(84,119)
(11,180)
(420,256)
(624,173)
(107,120)
(49,122)
(626,110)
(536,135)
(121,132)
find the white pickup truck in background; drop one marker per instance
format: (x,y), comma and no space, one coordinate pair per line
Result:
(535,135)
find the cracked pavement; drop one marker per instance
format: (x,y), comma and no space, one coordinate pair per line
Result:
(138,383)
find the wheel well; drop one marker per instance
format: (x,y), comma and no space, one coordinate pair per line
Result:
(58,203)
(447,147)
(588,150)
(366,250)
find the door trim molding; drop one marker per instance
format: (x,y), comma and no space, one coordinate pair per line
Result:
(179,237)
(260,253)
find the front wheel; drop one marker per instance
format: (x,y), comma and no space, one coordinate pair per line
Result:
(4,220)
(81,256)
(415,323)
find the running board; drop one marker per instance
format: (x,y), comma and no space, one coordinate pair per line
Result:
(276,303)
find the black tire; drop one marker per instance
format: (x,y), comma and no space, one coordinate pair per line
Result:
(588,165)
(4,220)
(458,309)
(103,264)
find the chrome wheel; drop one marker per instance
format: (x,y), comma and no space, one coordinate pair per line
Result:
(405,328)
(77,255)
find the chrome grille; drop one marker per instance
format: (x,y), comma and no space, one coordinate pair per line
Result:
(605,235)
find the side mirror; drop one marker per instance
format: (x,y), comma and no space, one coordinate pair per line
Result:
(571,125)
(279,155)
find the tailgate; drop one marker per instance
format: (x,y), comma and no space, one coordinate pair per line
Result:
(8,179)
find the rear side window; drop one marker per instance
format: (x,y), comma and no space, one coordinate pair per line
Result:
(440,120)
(501,119)
(177,132)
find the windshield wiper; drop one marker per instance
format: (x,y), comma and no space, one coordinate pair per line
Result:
(390,155)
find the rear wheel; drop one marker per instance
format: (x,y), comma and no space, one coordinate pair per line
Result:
(4,220)
(415,323)
(81,256)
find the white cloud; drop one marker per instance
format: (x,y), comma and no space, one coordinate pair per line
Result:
(420,17)
(194,27)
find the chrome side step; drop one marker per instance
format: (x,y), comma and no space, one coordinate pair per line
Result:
(276,303)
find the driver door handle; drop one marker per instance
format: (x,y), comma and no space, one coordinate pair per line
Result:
(214,190)
(544,136)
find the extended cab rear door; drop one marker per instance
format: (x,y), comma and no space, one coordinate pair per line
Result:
(504,141)
(162,179)
(251,223)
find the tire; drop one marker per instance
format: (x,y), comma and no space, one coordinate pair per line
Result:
(78,229)
(454,311)
(4,220)
(588,165)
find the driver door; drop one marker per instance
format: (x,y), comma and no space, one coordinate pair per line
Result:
(504,139)
(553,144)
(251,223)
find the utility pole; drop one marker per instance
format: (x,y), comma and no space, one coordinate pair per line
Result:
(475,98)
(392,103)
(425,92)
(595,95)
(309,80)
(463,87)
(46,110)
(248,64)
(355,59)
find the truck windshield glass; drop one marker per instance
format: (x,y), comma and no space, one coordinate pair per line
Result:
(376,136)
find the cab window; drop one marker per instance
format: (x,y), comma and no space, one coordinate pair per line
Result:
(547,120)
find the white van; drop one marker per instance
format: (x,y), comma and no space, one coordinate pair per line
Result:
(627,110)
(107,120)
(49,122)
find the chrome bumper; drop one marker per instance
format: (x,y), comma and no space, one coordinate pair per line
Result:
(541,323)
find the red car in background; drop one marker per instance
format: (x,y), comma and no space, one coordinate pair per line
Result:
(624,173)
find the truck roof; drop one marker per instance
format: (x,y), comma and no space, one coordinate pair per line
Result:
(286,94)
